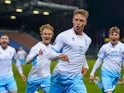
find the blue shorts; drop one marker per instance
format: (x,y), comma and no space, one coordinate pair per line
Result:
(109,80)
(22,61)
(35,85)
(75,85)
(7,84)
(109,83)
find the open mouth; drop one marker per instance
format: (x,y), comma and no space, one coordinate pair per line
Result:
(114,40)
(4,43)
(46,38)
(78,28)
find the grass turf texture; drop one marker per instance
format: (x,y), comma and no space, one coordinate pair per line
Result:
(91,88)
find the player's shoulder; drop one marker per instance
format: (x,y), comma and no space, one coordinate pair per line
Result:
(105,46)
(87,37)
(120,43)
(11,48)
(37,45)
(66,32)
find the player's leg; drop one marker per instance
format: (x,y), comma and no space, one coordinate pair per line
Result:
(11,86)
(76,86)
(98,83)
(57,88)
(3,89)
(45,84)
(32,87)
(46,89)
(108,84)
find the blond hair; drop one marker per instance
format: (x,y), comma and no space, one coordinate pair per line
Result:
(82,12)
(114,29)
(46,26)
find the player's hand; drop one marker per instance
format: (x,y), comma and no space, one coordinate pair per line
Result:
(40,52)
(23,77)
(63,57)
(84,71)
(91,78)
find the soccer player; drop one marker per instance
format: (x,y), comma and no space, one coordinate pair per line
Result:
(73,44)
(7,56)
(112,56)
(39,76)
(21,55)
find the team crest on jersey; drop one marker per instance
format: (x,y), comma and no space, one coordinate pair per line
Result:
(73,39)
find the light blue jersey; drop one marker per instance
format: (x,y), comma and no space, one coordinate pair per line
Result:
(39,75)
(75,46)
(21,54)
(7,82)
(113,58)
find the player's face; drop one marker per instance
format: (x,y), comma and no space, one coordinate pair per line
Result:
(114,37)
(4,40)
(79,21)
(47,36)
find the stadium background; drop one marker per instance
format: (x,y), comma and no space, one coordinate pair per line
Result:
(103,15)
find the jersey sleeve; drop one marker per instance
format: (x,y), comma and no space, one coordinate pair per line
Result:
(32,54)
(59,43)
(85,65)
(17,63)
(96,66)
(101,53)
(57,47)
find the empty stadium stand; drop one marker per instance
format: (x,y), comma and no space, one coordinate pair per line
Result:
(18,39)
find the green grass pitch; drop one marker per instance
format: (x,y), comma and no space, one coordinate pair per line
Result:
(91,88)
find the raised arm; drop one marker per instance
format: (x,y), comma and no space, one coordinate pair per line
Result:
(34,52)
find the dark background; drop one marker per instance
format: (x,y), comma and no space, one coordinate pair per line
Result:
(103,15)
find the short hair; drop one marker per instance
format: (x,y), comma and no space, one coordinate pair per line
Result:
(4,35)
(114,29)
(82,12)
(47,26)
